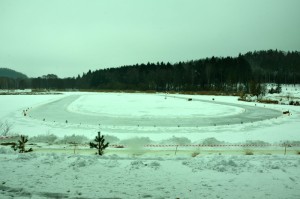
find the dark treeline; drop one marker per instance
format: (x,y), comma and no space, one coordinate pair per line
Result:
(230,74)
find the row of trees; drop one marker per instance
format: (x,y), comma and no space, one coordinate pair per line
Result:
(99,144)
(230,74)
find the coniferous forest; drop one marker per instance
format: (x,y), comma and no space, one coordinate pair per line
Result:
(226,74)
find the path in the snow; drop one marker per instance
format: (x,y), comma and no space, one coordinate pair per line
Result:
(58,111)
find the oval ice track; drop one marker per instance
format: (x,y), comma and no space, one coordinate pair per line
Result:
(58,111)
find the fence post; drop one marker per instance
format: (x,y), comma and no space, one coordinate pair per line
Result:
(285,146)
(284,149)
(176,149)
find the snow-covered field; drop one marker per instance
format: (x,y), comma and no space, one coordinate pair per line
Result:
(79,176)
(135,120)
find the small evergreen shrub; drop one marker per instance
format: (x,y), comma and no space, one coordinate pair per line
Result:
(99,144)
(21,145)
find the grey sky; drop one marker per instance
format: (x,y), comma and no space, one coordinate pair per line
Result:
(69,37)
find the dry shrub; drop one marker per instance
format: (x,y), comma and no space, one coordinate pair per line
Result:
(248,152)
(176,141)
(267,101)
(194,154)
(212,141)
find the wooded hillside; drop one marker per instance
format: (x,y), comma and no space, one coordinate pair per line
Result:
(230,74)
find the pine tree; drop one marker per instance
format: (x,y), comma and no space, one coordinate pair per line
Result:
(278,88)
(99,144)
(21,145)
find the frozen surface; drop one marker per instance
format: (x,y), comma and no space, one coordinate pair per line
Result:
(146,106)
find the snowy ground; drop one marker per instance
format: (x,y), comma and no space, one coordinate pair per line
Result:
(77,176)
(54,171)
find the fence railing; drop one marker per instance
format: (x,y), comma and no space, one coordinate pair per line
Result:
(208,145)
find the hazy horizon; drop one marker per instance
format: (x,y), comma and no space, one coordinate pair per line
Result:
(67,38)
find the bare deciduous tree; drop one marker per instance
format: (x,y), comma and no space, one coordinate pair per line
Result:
(5,128)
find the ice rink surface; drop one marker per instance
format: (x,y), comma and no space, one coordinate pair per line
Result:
(148,110)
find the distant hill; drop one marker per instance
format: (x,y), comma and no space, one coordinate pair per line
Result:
(6,72)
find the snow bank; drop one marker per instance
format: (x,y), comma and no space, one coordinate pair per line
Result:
(77,176)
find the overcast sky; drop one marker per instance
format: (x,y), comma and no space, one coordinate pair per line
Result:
(69,37)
